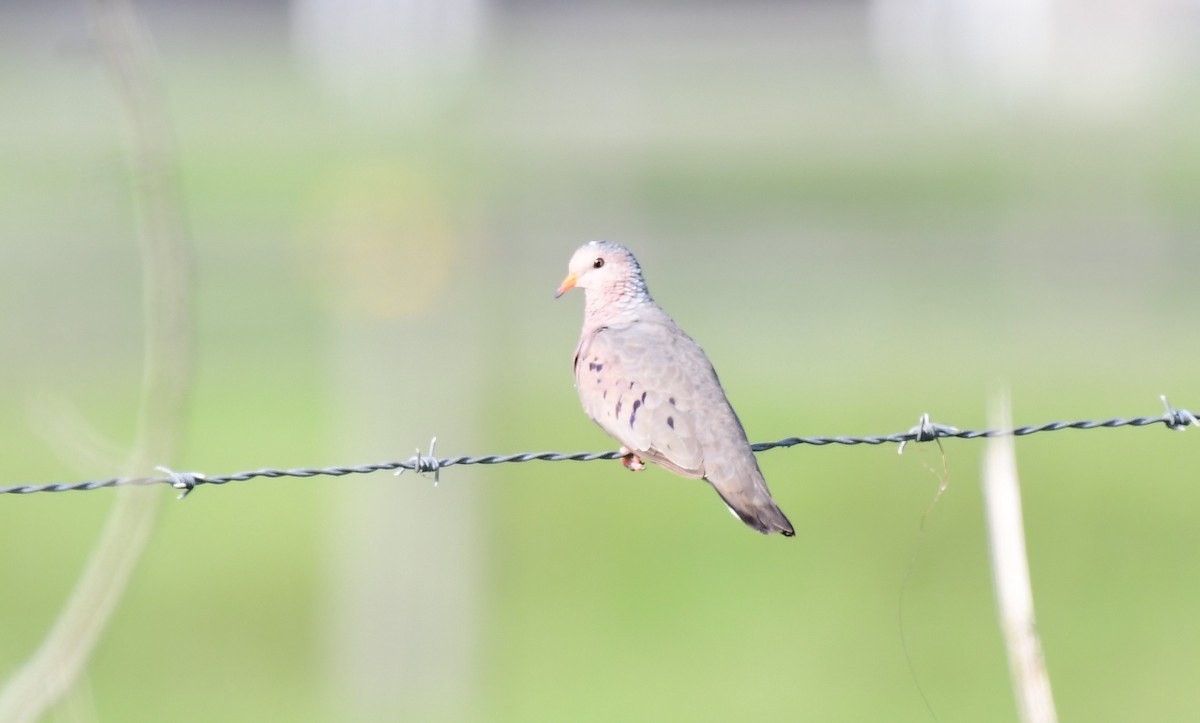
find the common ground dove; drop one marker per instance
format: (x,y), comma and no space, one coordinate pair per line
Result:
(651,387)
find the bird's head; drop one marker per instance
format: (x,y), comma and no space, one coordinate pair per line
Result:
(607,268)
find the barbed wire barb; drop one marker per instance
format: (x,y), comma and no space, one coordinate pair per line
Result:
(924,431)
(424,463)
(185,481)
(1177,419)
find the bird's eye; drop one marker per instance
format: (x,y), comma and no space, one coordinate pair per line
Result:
(598,262)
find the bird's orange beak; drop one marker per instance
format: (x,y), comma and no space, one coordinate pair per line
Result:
(567,284)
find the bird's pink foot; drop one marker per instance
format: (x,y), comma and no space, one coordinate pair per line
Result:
(631,461)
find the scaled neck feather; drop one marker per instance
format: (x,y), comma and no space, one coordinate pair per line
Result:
(625,300)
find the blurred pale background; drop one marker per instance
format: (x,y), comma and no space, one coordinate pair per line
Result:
(863,210)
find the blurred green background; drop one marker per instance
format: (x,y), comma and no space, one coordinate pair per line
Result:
(380,210)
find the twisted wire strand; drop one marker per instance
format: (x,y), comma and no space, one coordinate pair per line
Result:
(924,431)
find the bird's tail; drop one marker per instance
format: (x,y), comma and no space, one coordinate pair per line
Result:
(758,511)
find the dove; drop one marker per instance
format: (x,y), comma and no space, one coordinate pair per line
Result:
(652,388)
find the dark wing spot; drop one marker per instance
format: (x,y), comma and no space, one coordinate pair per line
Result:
(633,415)
(671,422)
(594,367)
(605,395)
(618,407)
(631,385)
(671,401)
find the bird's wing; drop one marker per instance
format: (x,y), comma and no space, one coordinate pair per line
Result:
(647,383)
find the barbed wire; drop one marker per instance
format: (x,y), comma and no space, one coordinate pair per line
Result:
(924,431)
